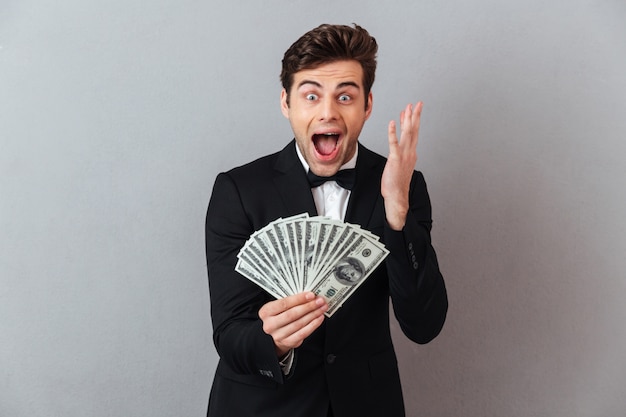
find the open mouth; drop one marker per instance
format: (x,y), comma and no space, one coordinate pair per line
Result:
(326,143)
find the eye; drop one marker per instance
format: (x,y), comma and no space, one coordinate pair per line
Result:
(311,96)
(344,97)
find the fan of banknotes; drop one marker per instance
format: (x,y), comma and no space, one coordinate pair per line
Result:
(302,253)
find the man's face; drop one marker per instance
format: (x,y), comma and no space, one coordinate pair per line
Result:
(349,273)
(327,110)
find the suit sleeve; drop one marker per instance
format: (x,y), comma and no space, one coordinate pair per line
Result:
(416,285)
(235,302)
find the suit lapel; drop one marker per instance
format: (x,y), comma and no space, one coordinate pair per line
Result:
(291,182)
(292,185)
(366,192)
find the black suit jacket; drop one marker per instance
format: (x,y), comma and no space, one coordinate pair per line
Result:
(349,361)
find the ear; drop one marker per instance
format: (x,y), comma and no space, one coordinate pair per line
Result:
(370,103)
(284,107)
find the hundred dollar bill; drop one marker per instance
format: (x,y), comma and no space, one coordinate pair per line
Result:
(299,231)
(276,248)
(322,233)
(274,287)
(311,236)
(279,238)
(352,233)
(295,245)
(330,232)
(261,244)
(348,273)
(319,254)
(264,254)
(295,234)
(336,249)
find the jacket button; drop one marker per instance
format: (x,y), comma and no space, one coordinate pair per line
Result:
(331,358)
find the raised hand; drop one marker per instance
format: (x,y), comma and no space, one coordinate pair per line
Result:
(396,179)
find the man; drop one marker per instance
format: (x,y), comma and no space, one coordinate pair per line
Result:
(349,272)
(284,357)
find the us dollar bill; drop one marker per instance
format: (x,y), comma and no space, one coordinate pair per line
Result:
(272,286)
(319,254)
(348,272)
(264,247)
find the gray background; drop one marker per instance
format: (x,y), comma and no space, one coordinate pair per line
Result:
(115,117)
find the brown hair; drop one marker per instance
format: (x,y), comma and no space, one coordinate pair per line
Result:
(328,43)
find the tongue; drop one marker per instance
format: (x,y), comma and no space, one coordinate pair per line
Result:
(325,145)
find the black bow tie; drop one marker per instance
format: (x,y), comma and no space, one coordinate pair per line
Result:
(345,178)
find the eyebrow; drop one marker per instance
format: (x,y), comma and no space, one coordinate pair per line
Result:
(339,86)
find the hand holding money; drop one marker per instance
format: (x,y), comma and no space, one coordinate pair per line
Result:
(292,319)
(301,253)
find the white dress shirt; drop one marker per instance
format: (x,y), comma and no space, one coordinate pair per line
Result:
(331,200)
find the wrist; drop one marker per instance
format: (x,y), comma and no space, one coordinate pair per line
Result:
(282,352)
(396,215)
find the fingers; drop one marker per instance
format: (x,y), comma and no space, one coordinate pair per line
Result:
(409,126)
(292,335)
(391,133)
(415,119)
(410,121)
(278,306)
(291,319)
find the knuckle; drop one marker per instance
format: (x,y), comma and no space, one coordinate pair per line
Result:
(291,314)
(283,304)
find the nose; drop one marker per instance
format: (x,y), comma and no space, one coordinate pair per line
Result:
(328,110)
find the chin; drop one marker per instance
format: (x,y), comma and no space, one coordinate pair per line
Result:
(324,170)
